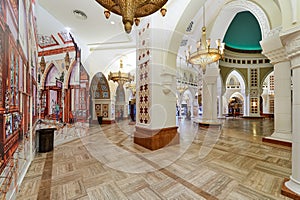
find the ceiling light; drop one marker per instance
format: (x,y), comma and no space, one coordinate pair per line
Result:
(132,9)
(205,54)
(80,14)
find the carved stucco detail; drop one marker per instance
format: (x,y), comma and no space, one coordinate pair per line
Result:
(275,32)
(277,56)
(256,11)
(293,46)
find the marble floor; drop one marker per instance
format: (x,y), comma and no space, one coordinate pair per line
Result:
(102,162)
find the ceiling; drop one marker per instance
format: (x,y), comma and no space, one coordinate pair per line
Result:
(92,31)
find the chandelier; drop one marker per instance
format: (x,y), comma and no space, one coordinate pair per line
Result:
(120,77)
(205,54)
(132,10)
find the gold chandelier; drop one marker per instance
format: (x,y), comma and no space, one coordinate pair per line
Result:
(205,54)
(132,10)
(120,77)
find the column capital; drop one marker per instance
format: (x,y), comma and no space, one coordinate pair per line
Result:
(273,48)
(292,44)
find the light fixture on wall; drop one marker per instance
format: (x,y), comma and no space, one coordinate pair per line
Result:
(130,10)
(205,54)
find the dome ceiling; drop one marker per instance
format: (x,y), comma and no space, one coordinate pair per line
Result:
(243,33)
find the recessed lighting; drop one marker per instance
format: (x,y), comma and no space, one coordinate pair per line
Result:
(80,14)
(112,22)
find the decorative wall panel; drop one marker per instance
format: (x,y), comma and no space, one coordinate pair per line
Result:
(143,75)
(98,109)
(105,110)
(100,87)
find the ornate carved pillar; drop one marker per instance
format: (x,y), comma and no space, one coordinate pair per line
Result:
(276,52)
(156,99)
(292,41)
(210,94)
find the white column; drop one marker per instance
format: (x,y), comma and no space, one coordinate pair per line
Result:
(210,93)
(220,97)
(283,104)
(276,52)
(293,51)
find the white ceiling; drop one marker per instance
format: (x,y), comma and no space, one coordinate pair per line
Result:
(95,29)
(105,43)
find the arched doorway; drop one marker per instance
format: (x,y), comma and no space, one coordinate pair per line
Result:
(235,105)
(234,95)
(77,95)
(52,92)
(267,96)
(102,105)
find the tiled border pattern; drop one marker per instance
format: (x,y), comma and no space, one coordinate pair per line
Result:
(105,110)
(143,76)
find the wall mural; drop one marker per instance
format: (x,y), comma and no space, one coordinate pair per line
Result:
(100,87)
(16,88)
(1,64)
(15,6)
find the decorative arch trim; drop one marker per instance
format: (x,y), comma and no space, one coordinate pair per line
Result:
(100,87)
(45,74)
(69,73)
(235,7)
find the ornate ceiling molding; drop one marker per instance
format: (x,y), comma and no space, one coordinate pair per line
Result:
(292,42)
(293,45)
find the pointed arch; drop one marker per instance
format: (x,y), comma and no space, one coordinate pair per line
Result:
(100,87)
(69,73)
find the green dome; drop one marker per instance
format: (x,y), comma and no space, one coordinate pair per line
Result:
(243,33)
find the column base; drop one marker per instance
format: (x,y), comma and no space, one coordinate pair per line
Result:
(284,139)
(156,139)
(208,123)
(286,191)
(104,122)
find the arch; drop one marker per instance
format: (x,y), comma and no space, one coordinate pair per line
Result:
(271,70)
(100,87)
(223,19)
(228,12)
(46,73)
(238,95)
(236,104)
(267,95)
(69,73)
(235,91)
(237,76)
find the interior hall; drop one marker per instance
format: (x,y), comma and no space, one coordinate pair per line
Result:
(152,99)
